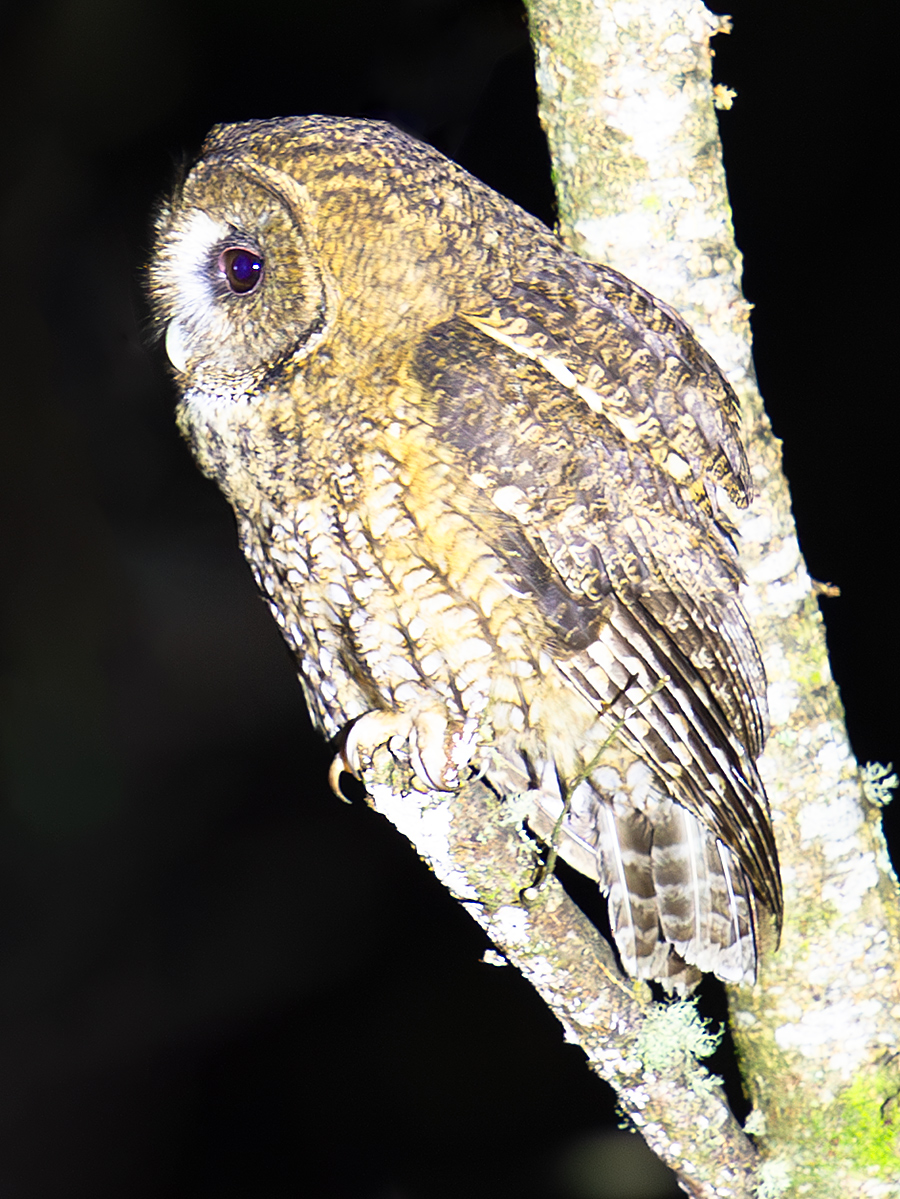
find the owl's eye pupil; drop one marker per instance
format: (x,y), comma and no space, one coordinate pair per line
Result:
(242,269)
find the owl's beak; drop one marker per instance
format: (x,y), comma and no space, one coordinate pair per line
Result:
(175,347)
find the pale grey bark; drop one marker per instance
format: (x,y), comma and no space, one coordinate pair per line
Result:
(628,106)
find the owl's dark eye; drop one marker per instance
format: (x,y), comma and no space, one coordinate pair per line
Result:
(242,269)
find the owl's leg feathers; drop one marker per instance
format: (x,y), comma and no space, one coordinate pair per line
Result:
(439,748)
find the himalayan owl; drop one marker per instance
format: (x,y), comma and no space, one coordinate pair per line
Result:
(478,480)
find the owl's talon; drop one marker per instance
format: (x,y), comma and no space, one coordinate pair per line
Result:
(361,739)
(338,767)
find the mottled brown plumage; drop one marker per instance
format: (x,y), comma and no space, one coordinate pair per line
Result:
(479,479)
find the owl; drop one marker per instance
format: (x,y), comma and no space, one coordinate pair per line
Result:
(480,482)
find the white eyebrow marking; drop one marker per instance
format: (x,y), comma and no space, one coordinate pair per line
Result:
(187,263)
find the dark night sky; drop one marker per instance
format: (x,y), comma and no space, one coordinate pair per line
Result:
(215,979)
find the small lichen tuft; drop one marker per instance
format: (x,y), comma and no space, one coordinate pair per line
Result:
(755,1124)
(673,1037)
(879,783)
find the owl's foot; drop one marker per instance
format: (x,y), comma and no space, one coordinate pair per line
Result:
(438,748)
(362,738)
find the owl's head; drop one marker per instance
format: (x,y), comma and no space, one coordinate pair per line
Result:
(284,229)
(234,281)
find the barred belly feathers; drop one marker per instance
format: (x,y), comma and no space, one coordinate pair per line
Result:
(480,482)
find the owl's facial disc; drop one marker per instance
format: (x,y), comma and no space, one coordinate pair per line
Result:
(235,283)
(240,267)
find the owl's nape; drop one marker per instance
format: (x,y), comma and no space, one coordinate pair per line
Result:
(484,485)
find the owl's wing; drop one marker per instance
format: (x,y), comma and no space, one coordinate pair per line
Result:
(599,474)
(630,358)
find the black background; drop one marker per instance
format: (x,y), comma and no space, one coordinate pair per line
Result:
(215,979)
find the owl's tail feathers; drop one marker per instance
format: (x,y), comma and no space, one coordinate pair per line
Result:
(704,899)
(624,863)
(679,903)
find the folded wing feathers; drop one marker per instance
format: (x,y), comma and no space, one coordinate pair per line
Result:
(672,721)
(680,900)
(674,670)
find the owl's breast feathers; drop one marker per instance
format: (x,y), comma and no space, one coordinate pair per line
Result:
(486,485)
